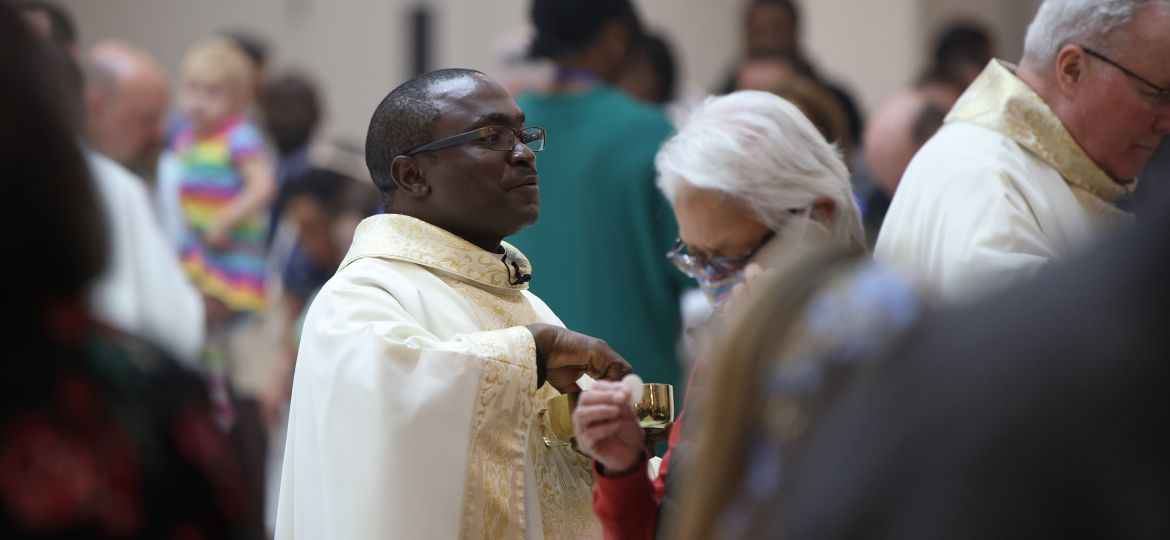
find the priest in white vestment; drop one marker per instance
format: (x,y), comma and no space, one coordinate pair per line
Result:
(1035,162)
(144,290)
(425,362)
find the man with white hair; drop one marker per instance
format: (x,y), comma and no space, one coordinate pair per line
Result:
(1036,161)
(125,101)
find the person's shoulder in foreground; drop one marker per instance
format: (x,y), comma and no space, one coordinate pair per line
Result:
(1016,417)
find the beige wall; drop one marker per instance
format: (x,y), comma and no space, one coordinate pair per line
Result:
(351,47)
(1008,20)
(872,47)
(357,48)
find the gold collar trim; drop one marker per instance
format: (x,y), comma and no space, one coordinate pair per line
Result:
(1000,101)
(404,238)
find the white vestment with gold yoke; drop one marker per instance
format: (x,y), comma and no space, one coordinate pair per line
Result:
(1001,190)
(414,407)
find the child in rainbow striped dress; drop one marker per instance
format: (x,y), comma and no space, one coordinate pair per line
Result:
(226,182)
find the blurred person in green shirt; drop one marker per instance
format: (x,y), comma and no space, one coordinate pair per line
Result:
(605,228)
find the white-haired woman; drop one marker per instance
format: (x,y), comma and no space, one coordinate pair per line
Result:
(747,175)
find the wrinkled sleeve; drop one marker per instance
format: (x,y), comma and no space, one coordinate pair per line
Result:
(626,505)
(383,412)
(171,306)
(1006,245)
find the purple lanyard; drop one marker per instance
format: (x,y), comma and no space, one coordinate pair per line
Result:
(577,75)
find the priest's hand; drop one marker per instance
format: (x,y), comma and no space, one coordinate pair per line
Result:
(607,428)
(563,355)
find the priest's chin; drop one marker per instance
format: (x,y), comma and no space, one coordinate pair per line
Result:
(525,207)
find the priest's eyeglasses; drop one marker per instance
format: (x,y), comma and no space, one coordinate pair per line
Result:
(1161,97)
(699,266)
(500,138)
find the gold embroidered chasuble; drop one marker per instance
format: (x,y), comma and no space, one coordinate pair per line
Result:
(414,411)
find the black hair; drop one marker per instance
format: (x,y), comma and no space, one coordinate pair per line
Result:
(336,192)
(292,110)
(252,46)
(405,119)
(661,57)
(50,213)
(61,26)
(787,5)
(296,84)
(70,85)
(567,26)
(959,44)
(322,186)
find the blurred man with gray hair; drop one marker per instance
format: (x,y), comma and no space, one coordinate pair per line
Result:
(144,290)
(1035,162)
(125,102)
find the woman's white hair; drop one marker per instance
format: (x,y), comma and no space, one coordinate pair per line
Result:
(1082,22)
(760,149)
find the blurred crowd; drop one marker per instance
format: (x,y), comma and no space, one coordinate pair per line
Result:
(994,369)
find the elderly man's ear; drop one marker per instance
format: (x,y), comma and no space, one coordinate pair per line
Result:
(1070,65)
(409,177)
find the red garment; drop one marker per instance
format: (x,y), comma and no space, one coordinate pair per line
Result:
(628,505)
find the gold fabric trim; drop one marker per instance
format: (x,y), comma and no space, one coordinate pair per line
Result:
(404,238)
(998,100)
(563,477)
(564,482)
(493,496)
(505,405)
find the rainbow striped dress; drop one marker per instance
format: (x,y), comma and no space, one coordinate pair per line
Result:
(209,182)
